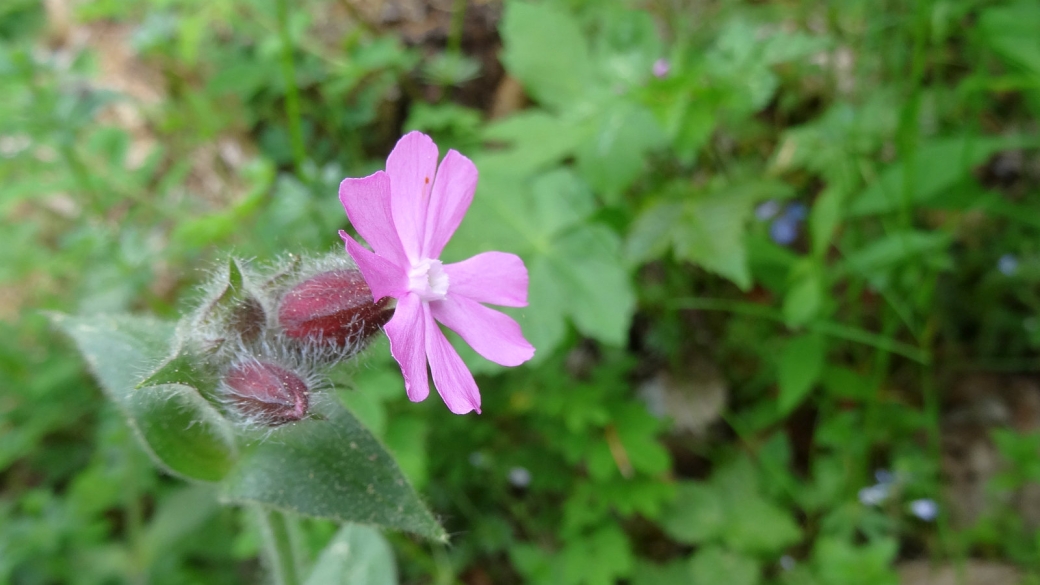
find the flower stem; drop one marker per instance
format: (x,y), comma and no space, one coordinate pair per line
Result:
(292,93)
(278,546)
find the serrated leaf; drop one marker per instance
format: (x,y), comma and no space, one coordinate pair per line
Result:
(559,77)
(330,468)
(800,366)
(613,156)
(695,515)
(181,431)
(356,554)
(596,287)
(712,235)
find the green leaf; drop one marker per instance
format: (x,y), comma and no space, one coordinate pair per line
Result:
(706,229)
(895,248)
(356,554)
(695,516)
(179,514)
(178,428)
(938,166)
(713,565)
(840,563)
(545,49)
(613,157)
(802,302)
(586,263)
(729,510)
(800,366)
(330,468)
(536,138)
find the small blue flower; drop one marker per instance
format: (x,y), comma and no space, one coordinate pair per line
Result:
(784,230)
(787,563)
(926,509)
(1007,265)
(797,210)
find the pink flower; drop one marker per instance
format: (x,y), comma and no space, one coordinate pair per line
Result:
(407,214)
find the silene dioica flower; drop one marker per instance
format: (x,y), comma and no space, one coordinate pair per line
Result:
(407,214)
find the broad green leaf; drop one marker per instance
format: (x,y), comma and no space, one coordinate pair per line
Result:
(651,233)
(758,526)
(545,49)
(599,558)
(627,45)
(841,563)
(800,366)
(938,166)
(802,301)
(597,291)
(714,228)
(696,516)
(330,467)
(356,555)
(729,509)
(544,319)
(825,217)
(613,156)
(181,431)
(535,138)
(713,565)
(560,200)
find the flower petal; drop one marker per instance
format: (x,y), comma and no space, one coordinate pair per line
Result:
(384,278)
(452,378)
(452,193)
(493,334)
(367,203)
(411,166)
(490,277)
(406,330)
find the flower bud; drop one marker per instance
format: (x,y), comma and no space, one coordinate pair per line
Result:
(267,393)
(335,306)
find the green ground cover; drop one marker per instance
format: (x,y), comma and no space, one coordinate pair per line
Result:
(784,271)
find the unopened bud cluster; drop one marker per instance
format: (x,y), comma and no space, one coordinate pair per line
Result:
(271,333)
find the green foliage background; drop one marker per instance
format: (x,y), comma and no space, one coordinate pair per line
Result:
(707,399)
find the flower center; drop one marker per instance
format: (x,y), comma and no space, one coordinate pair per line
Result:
(428,280)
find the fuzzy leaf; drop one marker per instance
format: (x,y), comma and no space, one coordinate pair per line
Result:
(332,468)
(181,431)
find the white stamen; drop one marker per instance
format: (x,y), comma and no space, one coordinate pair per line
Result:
(428,280)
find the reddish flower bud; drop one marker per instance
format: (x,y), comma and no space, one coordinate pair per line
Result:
(334,306)
(266,392)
